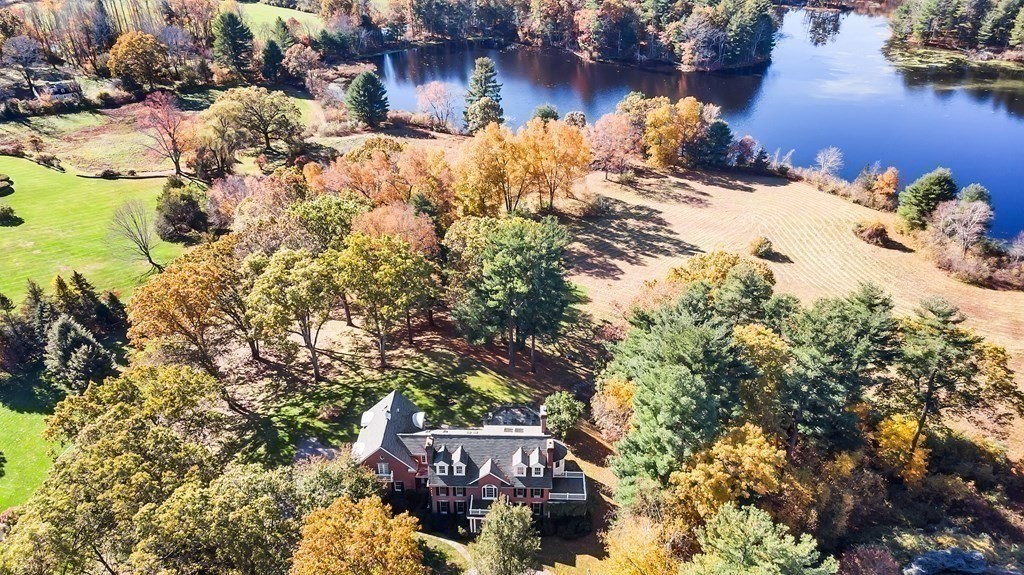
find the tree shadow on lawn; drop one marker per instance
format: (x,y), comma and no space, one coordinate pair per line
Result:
(628,235)
(29,392)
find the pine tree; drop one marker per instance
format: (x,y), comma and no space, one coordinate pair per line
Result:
(367,100)
(73,357)
(508,543)
(483,84)
(481,113)
(272,59)
(232,42)
(102,34)
(761,162)
(713,149)
(920,199)
(1017,36)
(282,35)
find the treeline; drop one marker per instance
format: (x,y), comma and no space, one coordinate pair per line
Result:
(755,432)
(989,24)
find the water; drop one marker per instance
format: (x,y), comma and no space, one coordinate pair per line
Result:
(829,84)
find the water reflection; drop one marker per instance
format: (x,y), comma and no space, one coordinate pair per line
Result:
(822,25)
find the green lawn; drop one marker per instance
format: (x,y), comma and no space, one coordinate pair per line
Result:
(67,227)
(261,18)
(25,457)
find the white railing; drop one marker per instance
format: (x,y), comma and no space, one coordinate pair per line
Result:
(556,496)
(389,476)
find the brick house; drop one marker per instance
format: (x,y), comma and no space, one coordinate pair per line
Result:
(465,470)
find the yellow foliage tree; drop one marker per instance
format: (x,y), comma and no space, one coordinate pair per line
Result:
(612,407)
(771,356)
(138,57)
(895,435)
(713,267)
(555,155)
(741,464)
(638,545)
(663,136)
(491,173)
(358,538)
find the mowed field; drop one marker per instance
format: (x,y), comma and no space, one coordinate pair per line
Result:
(67,227)
(261,17)
(664,220)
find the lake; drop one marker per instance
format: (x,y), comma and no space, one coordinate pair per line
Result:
(829,84)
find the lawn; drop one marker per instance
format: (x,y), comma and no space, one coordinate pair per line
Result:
(261,18)
(24,456)
(66,227)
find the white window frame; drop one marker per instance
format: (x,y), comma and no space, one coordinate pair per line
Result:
(443,507)
(459,469)
(460,507)
(538,471)
(399,486)
(441,468)
(383,468)
(460,491)
(520,492)
(536,493)
(537,508)
(521,470)
(489,489)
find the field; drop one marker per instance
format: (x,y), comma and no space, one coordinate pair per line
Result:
(658,224)
(67,227)
(261,17)
(24,456)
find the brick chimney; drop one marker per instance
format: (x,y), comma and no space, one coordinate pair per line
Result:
(544,419)
(550,446)
(428,447)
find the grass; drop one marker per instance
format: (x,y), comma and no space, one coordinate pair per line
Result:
(441,558)
(261,18)
(24,455)
(66,227)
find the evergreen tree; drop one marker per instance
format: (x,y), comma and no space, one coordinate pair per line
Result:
(563,412)
(282,35)
(367,100)
(483,84)
(73,357)
(761,162)
(920,199)
(976,193)
(481,113)
(272,60)
(742,296)
(545,112)
(102,34)
(508,543)
(713,148)
(232,42)
(1017,36)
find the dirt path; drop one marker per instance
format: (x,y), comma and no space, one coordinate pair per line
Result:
(664,220)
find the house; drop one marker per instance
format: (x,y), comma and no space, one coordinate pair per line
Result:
(464,471)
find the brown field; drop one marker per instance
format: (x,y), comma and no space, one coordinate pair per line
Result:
(665,219)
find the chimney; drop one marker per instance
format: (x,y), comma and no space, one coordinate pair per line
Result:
(544,419)
(550,445)
(429,449)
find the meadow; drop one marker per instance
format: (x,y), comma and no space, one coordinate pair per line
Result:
(261,17)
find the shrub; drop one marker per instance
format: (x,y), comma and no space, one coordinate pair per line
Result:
(49,160)
(761,247)
(868,561)
(6,185)
(628,178)
(594,206)
(179,213)
(545,112)
(110,174)
(873,233)
(8,217)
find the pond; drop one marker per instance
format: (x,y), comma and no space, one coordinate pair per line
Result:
(829,84)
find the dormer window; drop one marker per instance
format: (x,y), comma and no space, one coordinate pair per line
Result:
(490,492)
(520,471)
(441,468)
(459,469)
(538,471)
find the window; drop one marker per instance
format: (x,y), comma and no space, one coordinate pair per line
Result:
(490,492)
(538,471)
(442,507)
(460,507)
(520,471)
(399,487)
(442,491)
(536,492)
(459,469)
(383,468)
(538,508)
(460,491)
(441,468)
(520,492)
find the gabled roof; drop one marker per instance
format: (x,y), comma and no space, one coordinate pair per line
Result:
(381,425)
(498,453)
(490,469)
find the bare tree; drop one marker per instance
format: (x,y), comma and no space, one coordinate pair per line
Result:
(1017,248)
(23,53)
(168,126)
(131,222)
(963,222)
(829,160)
(440,101)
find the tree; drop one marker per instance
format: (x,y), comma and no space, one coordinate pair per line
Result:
(894,436)
(638,545)
(232,42)
(563,412)
(295,293)
(745,541)
(273,59)
(483,83)
(357,538)
(266,116)
(713,148)
(282,35)
(438,100)
(24,54)
(507,544)
(613,142)
(320,481)
(387,278)
(367,100)
(612,407)
(300,60)
(73,357)
(400,221)
(740,465)
(138,58)
(919,199)
(1017,35)
(179,212)
(492,172)
(663,136)
(829,161)
(131,222)
(170,129)
(975,193)
(947,371)
(328,218)
(576,119)
(555,156)
(481,114)
(962,221)
(545,112)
